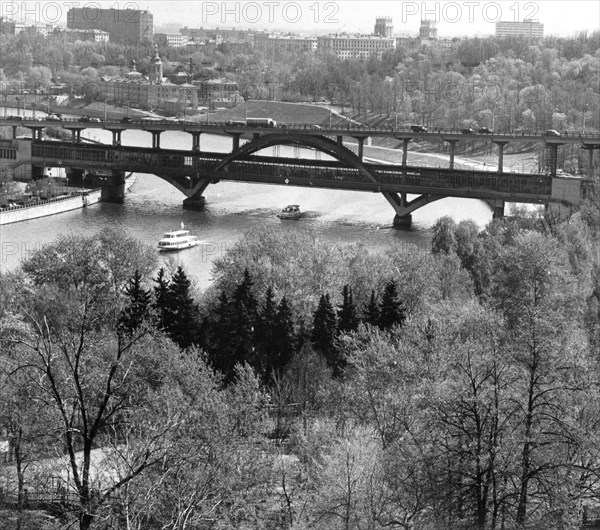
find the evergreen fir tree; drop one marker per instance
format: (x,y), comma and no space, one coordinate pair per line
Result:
(371,312)
(392,310)
(324,331)
(138,308)
(347,318)
(245,317)
(182,315)
(161,295)
(221,338)
(284,339)
(264,336)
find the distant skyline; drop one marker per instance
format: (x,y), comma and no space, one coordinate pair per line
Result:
(454,18)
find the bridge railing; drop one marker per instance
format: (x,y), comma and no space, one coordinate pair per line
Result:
(350,127)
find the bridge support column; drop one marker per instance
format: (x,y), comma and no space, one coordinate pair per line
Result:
(405,150)
(14,128)
(76,135)
(194,203)
(236,141)
(497,208)
(500,145)
(114,188)
(361,145)
(340,140)
(116,137)
(402,221)
(155,139)
(196,141)
(36,133)
(451,154)
(590,164)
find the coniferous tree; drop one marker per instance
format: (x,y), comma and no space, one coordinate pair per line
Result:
(182,315)
(138,307)
(221,337)
(161,295)
(245,317)
(284,339)
(371,312)
(347,317)
(392,309)
(266,349)
(324,332)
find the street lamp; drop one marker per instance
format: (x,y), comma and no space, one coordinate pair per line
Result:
(584,110)
(105,109)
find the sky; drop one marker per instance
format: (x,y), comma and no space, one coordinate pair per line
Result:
(454,18)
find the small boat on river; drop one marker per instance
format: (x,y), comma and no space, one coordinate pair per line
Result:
(290,212)
(177,240)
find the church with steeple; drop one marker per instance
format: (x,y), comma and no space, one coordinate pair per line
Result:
(155,75)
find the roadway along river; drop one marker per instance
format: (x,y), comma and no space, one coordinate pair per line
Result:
(152,207)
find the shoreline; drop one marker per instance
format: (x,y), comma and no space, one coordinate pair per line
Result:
(56,205)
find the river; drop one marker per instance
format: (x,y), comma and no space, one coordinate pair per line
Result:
(153,207)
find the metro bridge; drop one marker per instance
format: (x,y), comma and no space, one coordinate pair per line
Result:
(192,171)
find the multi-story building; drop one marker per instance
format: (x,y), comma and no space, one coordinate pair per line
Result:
(174,40)
(92,35)
(288,43)
(347,46)
(384,27)
(428,30)
(218,91)
(124,25)
(528,28)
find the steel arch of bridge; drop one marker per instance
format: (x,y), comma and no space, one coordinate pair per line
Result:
(333,149)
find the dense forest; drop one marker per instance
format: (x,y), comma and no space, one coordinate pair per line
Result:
(311,385)
(504,83)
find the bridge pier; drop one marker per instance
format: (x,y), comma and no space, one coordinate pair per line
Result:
(76,135)
(114,188)
(402,221)
(405,150)
(36,132)
(497,208)
(590,166)
(194,203)
(116,136)
(552,161)
(14,128)
(196,141)
(340,140)
(452,143)
(156,139)
(500,145)
(236,141)
(361,145)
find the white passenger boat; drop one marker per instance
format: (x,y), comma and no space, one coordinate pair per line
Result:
(177,240)
(290,212)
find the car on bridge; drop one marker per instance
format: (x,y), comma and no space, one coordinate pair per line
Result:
(126,119)
(551,132)
(53,117)
(89,119)
(418,128)
(14,118)
(484,130)
(467,130)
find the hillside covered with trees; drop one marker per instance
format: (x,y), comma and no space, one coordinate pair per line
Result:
(311,386)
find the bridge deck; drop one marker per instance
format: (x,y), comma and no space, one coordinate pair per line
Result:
(354,130)
(190,167)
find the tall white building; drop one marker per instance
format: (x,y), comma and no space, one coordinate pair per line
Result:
(528,28)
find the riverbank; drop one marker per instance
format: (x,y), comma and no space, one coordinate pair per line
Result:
(66,203)
(56,205)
